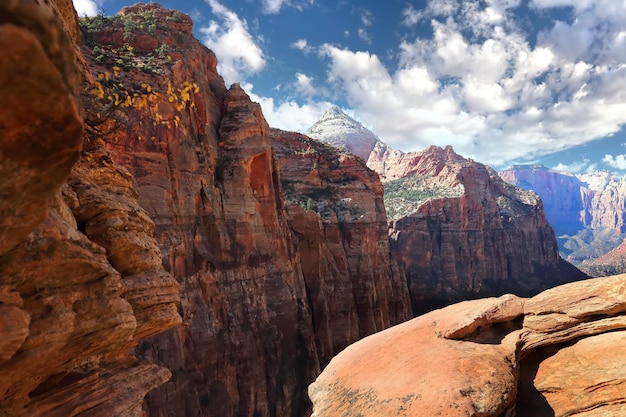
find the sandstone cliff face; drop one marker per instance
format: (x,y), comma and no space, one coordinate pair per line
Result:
(337,212)
(457,230)
(210,184)
(559,353)
(81,276)
(586,211)
(461,232)
(206,175)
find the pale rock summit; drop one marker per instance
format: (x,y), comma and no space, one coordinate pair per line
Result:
(340,130)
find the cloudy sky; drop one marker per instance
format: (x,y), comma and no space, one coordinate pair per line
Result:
(502,81)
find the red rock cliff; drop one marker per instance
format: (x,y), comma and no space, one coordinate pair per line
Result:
(461,232)
(81,277)
(206,175)
(209,182)
(355,288)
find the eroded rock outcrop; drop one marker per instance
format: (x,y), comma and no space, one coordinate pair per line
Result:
(585,210)
(460,232)
(457,230)
(559,353)
(337,213)
(75,294)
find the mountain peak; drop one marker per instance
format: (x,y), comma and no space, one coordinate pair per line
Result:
(334,112)
(336,128)
(336,115)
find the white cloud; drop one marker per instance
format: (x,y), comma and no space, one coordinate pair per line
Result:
(575,167)
(480,85)
(364,35)
(367,17)
(615,161)
(86,7)
(412,16)
(304,84)
(302,45)
(237,50)
(289,114)
(273,6)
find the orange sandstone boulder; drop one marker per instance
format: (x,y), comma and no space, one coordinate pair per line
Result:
(560,353)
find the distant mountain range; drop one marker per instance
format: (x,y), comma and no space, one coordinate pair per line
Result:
(586,211)
(456,228)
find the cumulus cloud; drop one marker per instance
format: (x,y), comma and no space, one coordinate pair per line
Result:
(289,114)
(238,51)
(575,167)
(302,45)
(615,161)
(480,85)
(86,7)
(304,84)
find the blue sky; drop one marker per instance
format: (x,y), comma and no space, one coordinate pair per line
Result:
(502,81)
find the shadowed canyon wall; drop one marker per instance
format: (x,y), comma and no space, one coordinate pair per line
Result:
(489,238)
(256,320)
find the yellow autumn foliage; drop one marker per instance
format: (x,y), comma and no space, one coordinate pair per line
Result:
(115,96)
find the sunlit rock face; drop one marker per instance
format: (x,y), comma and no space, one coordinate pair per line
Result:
(81,277)
(457,230)
(460,232)
(585,210)
(335,207)
(559,353)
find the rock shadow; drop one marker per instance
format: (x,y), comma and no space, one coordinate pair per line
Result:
(531,402)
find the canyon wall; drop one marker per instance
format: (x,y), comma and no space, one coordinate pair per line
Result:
(337,213)
(81,275)
(585,210)
(262,307)
(460,232)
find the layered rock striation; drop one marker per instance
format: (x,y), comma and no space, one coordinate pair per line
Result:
(335,207)
(460,232)
(81,275)
(559,353)
(585,210)
(256,324)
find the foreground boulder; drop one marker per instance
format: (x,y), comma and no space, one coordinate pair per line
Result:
(559,353)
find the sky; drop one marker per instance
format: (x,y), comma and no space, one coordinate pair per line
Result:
(502,81)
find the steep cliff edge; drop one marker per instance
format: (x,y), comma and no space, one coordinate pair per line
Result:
(355,288)
(207,176)
(558,354)
(585,210)
(81,276)
(461,232)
